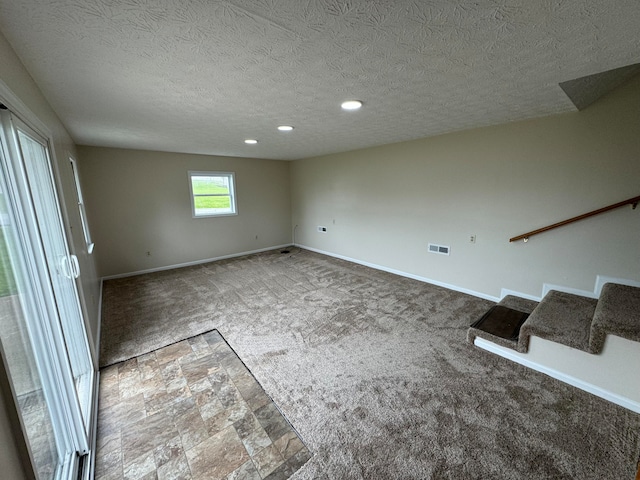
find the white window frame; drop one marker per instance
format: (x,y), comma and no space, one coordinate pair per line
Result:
(232,194)
(83,213)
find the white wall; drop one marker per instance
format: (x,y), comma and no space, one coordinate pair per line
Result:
(138,201)
(384,205)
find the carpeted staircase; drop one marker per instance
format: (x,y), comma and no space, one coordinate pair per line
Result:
(572,320)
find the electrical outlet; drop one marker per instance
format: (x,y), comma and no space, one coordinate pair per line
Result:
(148,254)
(322,229)
(472,239)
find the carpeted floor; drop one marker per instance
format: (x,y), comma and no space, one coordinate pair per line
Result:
(374,372)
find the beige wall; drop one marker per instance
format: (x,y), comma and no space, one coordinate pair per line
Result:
(389,202)
(15,82)
(138,201)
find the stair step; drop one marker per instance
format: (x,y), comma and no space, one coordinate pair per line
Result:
(617,313)
(572,320)
(560,317)
(518,306)
(518,303)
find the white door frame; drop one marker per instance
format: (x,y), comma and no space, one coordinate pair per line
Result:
(47,338)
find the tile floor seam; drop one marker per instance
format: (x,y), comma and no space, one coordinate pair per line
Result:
(188,376)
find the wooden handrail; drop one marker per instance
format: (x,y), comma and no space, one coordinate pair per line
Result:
(525,236)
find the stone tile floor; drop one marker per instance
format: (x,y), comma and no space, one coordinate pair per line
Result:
(191,410)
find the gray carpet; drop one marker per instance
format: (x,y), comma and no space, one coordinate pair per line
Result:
(617,313)
(561,317)
(374,372)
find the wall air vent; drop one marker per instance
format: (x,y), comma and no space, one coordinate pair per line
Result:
(441,249)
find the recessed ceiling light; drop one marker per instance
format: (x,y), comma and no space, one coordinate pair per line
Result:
(351,105)
(250,141)
(285,128)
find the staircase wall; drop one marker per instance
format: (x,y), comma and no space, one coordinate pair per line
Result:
(612,375)
(493,183)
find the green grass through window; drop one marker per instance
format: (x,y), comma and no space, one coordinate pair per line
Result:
(211,192)
(7,281)
(212,202)
(208,186)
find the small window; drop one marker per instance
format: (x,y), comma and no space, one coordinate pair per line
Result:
(212,194)
(83,213)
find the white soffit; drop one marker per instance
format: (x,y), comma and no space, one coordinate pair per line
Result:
(203,75)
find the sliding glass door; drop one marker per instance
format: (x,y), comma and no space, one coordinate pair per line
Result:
(42,332)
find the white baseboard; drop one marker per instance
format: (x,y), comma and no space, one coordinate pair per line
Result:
(563,377)
(89,471)
(402,274)
(99,329)
(547,287)
(505,291)
(597,289)
(196,262)
(601,280)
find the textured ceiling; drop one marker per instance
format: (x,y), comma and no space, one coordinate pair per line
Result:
(200,76)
